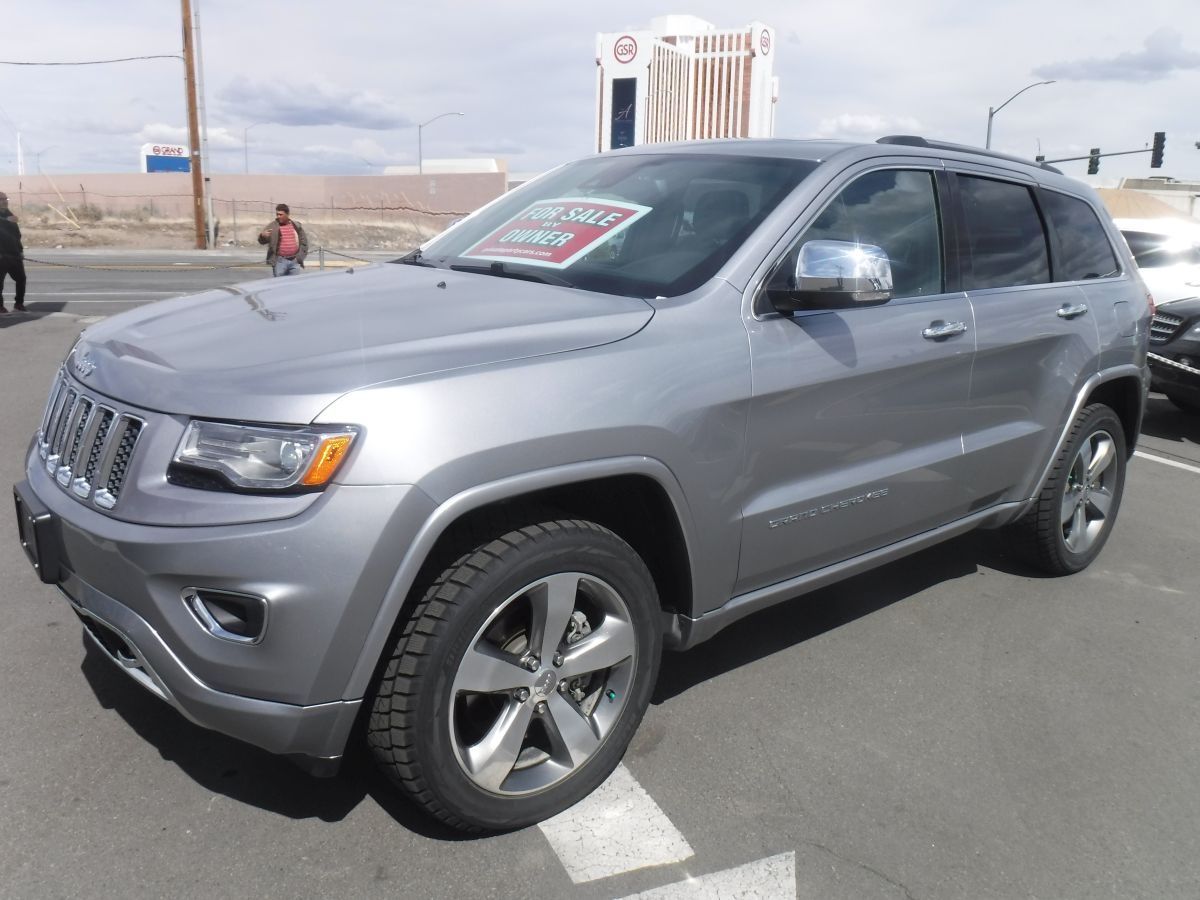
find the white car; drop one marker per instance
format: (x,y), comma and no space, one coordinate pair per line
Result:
(1167,252)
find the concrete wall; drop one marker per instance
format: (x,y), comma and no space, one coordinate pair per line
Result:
(428,200)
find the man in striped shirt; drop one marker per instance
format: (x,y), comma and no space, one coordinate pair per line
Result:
(287,244)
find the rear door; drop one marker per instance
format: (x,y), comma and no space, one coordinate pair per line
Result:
(1036,335)
(855,435)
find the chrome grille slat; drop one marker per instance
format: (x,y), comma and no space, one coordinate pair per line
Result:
(124,453)
(82,421)
(60,425)
(87,447)
(1163,327)
(55,392)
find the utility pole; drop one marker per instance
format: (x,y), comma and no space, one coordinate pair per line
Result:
(210,236)
(189,77)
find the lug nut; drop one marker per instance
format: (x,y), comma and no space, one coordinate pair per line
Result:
(562,685)
(558,659)
(541,709)
(532,663)
(522,694)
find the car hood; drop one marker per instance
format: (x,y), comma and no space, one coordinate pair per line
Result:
(282,349)
(1187,308)
(1170,284)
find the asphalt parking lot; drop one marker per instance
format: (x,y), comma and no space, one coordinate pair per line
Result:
(949,726)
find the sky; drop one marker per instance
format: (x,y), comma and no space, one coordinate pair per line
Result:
(320,87)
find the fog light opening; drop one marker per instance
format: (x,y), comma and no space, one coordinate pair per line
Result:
(230,616)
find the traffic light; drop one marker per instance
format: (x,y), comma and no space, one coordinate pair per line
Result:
(1093,160)
(1160,141)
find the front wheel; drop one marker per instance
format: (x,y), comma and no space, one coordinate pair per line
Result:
(1075,511)
(521,676)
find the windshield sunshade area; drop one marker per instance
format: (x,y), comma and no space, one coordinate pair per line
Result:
(638,225)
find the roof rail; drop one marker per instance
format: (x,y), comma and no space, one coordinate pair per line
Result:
(914,140)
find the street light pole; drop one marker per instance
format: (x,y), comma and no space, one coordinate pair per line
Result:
(246,146)
(37,157)
(420,159)
(992,112)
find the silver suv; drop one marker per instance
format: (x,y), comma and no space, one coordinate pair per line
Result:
(457,505)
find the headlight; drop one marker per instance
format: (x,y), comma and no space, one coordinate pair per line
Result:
(261,457)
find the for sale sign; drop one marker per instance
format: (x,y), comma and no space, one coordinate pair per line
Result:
(557,232)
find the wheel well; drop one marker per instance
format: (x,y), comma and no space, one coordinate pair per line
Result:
(633,506)
(1124,397)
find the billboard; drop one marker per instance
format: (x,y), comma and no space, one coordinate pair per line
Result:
(165,158)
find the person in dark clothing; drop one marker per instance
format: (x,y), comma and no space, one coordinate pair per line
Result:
(12,255)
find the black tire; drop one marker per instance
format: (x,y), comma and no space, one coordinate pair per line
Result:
(1073,516)
(1184,403)
(473,723)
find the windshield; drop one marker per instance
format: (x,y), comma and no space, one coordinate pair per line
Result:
(1156,251)
(637,225)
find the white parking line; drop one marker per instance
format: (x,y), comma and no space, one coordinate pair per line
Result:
(773,878)
(1167,462)
(617,828)
(97,293)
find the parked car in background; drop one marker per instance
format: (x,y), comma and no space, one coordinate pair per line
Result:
(454,507)
(1167,252)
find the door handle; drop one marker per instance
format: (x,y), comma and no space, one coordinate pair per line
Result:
(1072,312)
(938,331)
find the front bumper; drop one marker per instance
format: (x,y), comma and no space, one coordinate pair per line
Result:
(1171,376)
(319,731)
(323,574)
(1175,349)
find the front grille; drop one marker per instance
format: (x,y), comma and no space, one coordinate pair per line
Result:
(87,447)
(1163,327)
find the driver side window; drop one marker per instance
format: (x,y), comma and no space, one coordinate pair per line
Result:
(895,209)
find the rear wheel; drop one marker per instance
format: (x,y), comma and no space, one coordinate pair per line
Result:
(518,682)
(1074,514)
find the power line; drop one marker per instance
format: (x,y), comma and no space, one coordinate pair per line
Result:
(90,62)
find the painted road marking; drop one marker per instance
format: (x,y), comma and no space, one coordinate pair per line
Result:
(773,878)
(1167,462)
(617,828)
(98,293)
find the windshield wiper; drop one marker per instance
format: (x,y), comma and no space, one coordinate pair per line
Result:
(498,269)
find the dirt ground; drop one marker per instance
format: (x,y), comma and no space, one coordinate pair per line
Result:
(176,234)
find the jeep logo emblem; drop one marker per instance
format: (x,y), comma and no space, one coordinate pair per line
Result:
(544,686)
(83,365)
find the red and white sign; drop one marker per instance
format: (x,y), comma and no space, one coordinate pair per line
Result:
(764,42)
(168,150)
(625,49)
(557,232)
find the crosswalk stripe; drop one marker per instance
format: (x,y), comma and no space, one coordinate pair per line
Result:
(773,878)
(617,828)
(1167,462)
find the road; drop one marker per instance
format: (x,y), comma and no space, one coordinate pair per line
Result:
(949,726)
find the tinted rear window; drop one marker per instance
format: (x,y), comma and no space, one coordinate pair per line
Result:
(1084,250)
(1005,238)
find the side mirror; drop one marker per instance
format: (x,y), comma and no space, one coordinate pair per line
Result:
(837,275)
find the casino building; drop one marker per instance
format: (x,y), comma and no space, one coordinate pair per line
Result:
(684,79)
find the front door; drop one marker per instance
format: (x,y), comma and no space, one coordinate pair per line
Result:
(854,436)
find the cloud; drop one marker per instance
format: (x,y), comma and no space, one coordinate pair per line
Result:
(161,133)
(289,103)
(1163,54)
(499,147)
(860,125)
